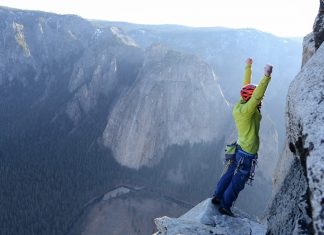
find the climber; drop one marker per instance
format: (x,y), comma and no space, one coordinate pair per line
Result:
(247,117)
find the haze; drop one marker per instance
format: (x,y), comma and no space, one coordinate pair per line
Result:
(287,18)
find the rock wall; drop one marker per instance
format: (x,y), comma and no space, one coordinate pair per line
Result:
(318,27)
(308,48)
(299,181)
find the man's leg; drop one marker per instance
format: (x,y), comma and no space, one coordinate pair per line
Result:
(237,183)
(235,187)
(225,180)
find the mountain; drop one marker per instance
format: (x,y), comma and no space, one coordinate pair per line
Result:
(52,114)
(63,84)
(88,109)
(176,100)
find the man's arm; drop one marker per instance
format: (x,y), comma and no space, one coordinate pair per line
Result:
(248,72)
(259,91)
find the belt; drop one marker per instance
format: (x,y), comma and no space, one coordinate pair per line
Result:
(239,149)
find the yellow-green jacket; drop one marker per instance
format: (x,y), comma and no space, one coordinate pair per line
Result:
(247,116)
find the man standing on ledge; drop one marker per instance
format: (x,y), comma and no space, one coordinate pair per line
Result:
(247,117)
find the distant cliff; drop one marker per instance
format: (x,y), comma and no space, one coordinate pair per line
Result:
(176,99)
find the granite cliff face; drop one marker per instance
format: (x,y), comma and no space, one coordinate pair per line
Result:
(297,207)
(26,39)
(176,100)
(108,66)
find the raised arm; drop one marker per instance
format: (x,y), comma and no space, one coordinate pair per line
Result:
(248,72)
(259,91)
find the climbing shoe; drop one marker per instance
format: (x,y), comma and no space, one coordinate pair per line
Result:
(215,201)
(225,211)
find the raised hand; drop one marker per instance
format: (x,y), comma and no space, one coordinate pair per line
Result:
(268,70)
(249,61)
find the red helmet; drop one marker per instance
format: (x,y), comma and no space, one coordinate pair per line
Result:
(247,91)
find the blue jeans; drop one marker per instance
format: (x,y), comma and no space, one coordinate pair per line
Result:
(233,180)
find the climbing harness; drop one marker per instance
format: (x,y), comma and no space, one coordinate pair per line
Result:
(253,165)
(230,155)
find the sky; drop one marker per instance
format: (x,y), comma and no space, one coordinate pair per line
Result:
(286,18)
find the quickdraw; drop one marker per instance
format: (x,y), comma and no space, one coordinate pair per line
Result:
(252,171)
